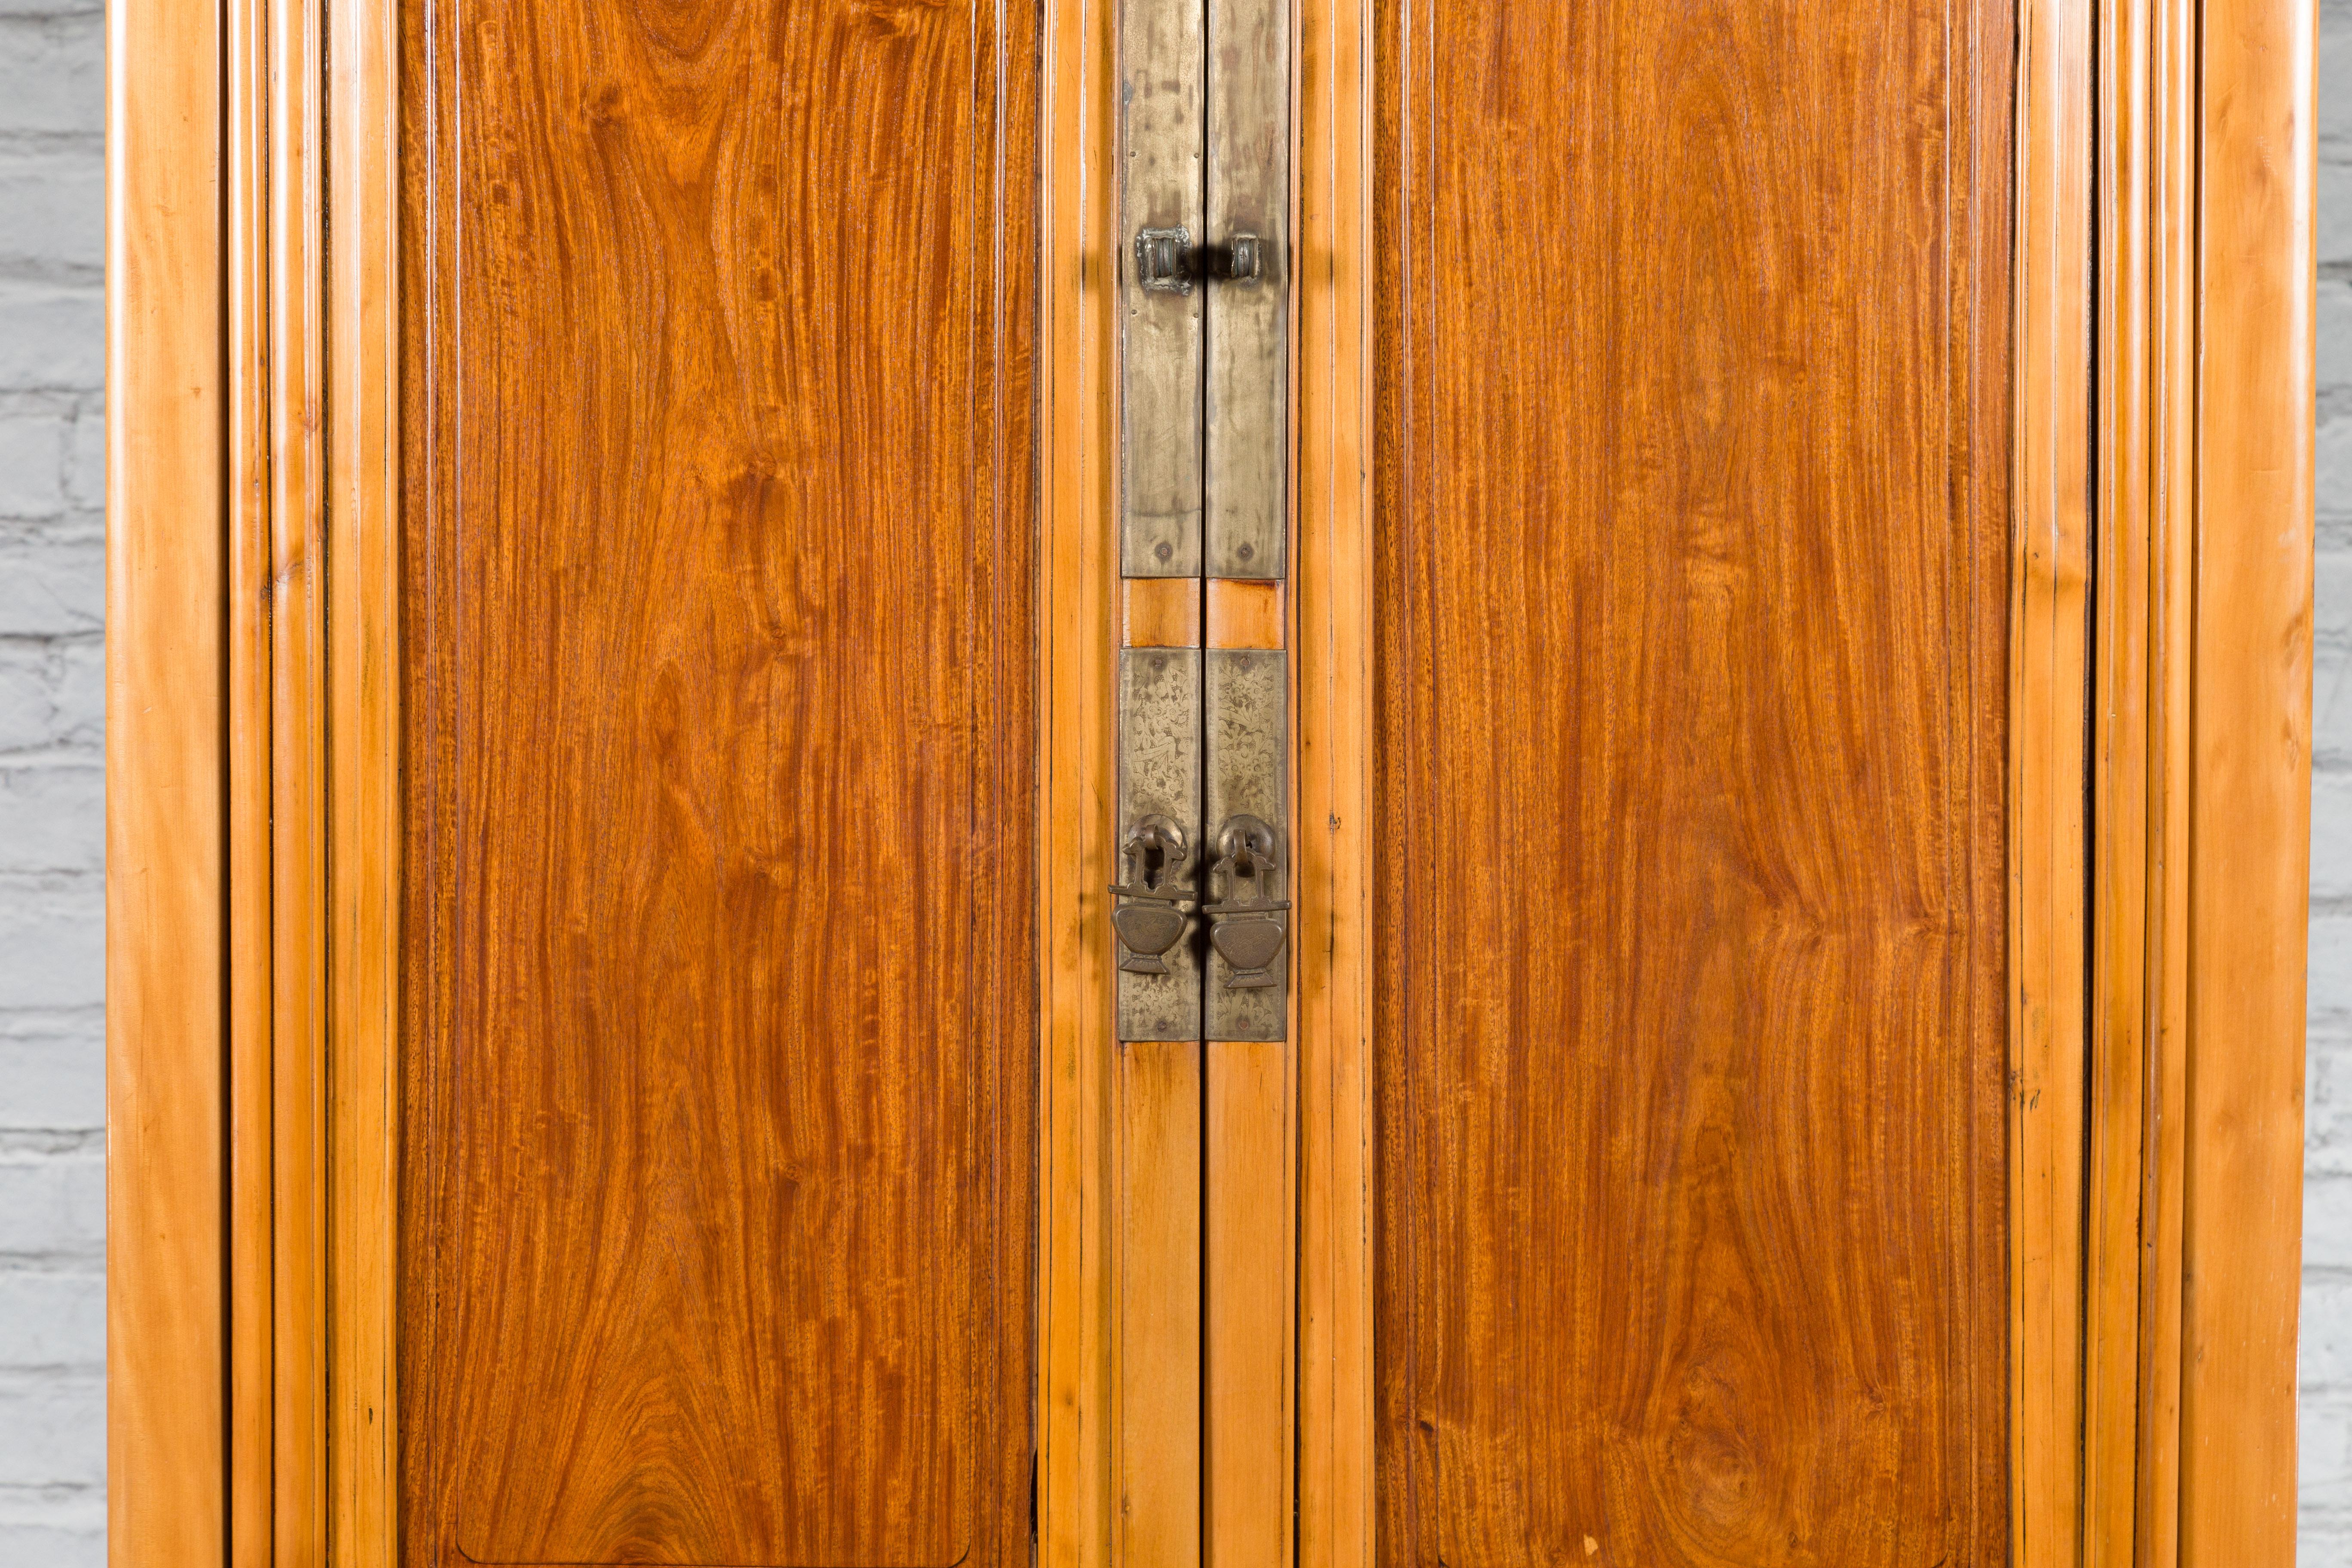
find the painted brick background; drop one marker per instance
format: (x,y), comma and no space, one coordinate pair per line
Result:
(52,708)
(52,713)
(2327,1481)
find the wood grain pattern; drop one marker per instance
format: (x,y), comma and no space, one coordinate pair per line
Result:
(166,736)
(1693,609)
(1248,1285)
(2250,827)
(1244,614)
(719,1103)
(1332,763)
(252,1131)
(1077,622)
(2049,731)
(1160,611)
(1077,615)
(363,785)
(2165,175)
(294,610)
(1156,1305)
(2139,970)
(2124,814)
(2173,420)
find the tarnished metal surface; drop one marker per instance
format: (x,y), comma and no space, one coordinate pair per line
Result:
(1247,703)
(1247,400)
(1159,775)
(1162,142)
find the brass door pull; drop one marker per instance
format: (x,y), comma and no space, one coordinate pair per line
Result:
(1162,259)
(1168,262)
(1247,931)
(1154,858)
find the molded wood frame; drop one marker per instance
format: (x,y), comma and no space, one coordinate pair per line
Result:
(253,802)
(2161,658)
(1077,456)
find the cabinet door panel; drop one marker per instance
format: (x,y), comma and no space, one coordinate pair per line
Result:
(719,1083)
(1692,616)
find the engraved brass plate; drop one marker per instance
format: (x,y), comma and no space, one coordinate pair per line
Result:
(1159,777)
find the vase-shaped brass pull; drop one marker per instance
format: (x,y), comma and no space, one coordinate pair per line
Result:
(1246,923)
(1152,916)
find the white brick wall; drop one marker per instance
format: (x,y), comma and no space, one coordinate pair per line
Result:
(2326,1374)
(52,1341)
(52,712)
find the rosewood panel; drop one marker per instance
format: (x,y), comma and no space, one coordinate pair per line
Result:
(717,1214)
(1691,609)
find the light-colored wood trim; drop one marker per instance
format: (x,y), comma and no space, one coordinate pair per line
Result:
(1248,1285)
(1156,1321)
(1244,614)
(1077,426)
(2138,1057)
(165,829)
(2201,781)
(2121,819)
(2250,813)
(2168,447)
(252,1262)
(295,607)
(363,802)
(2049,677)
(277,776)
(1160,611)
(1332,761)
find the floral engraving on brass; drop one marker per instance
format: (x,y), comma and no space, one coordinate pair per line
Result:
(1247,932)
(1154,857)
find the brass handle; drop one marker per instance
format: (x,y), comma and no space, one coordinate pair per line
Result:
(1166,260)
(1154,858)
(1247,931)
(1162,258)
(1241,262)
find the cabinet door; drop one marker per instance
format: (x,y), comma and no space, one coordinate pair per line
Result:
(719,1072)
(1692,609)
(1759,1015)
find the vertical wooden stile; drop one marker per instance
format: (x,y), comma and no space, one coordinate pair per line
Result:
(2122,916)
(362,739)
(1249,1282)
(1078,425)
(167,588)
(295,606)
(2049,676)
(252,1145)
(1332,683)
(2250,761)
(2169,280)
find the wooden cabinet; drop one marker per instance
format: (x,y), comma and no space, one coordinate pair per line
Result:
(1751,564)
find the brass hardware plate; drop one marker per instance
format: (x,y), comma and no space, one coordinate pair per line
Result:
(1159,777)
(1246,702)
(1204,271)
(1162,142)
(1246,391)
